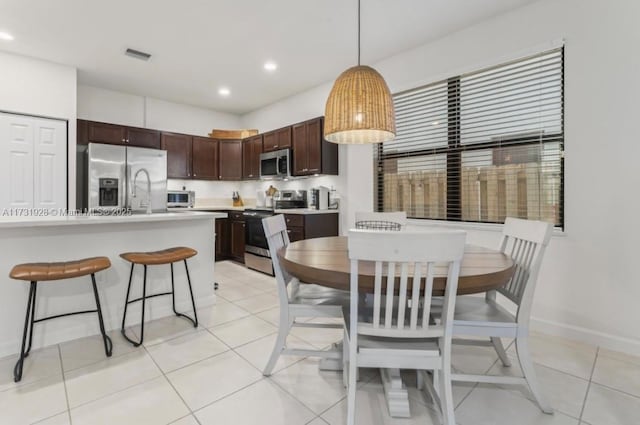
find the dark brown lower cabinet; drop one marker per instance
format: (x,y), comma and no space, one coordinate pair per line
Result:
(223,238)
(236,251)
(230,232)
(309,226)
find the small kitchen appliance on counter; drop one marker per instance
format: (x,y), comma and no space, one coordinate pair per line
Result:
(320,198)
(180,198)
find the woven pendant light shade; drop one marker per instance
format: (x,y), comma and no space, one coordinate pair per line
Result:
(359,108)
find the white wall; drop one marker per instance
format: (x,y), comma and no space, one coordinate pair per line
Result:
(35,87)
(589,285)
(115,107)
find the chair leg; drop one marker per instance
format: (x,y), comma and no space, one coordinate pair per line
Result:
(28,324)
(193,303)
(345,359)
(108,344)
(352,388)
(526,364)
(281,341)
(502,354)
(446,395)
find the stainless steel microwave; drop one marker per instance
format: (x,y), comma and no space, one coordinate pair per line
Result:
(180,198)
(276,164)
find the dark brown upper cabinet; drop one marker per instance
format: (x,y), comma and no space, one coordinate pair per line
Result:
(179,154)
(251,150)
(113,134)
(312,154)
(205,158)
(98,132)
(277,139)
(230,159)
(143,137)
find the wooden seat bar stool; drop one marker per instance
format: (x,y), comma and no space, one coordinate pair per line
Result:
(39,272)
(166,256)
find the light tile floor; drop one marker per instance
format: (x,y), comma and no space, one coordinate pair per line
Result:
(212,375)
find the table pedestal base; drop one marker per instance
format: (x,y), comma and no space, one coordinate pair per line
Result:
(396,393)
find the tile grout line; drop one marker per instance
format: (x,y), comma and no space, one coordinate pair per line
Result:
(64,384)
(170,384)
(586,395)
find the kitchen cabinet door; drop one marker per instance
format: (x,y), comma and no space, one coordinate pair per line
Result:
(230,160)
(277,139)
(223,238)
(99,132)
(300,148)
(314,146)
(178,147)
(295,233)
(205,158)
(311,153)
(143,138)
(251,150)
(237,240)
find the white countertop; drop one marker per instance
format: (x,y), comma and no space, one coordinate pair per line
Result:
(32,221)
(303,211)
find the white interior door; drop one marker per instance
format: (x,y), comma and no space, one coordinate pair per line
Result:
(33,158)
(50,164)
(16,161)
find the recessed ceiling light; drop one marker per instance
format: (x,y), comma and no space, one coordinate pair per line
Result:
(223,91)
(270,66)
(5,36)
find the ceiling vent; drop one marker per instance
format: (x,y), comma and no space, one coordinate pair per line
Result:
(137,54)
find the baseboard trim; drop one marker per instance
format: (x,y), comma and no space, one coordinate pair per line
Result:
(589,336)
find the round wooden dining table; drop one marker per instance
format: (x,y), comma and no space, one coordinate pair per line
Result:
(325,261)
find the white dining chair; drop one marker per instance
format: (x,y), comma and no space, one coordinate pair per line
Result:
(397,332)
(525,242)
(376,220)
(298,299)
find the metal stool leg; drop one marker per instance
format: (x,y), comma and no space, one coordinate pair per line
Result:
(28,325)
(144,299)
(126,304)
(193,302)
(173,298)
(108,345)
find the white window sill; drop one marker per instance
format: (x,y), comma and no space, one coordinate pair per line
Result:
(486,227)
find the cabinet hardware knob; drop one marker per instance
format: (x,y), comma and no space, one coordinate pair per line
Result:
(275,146)
(194,174)
(123,140)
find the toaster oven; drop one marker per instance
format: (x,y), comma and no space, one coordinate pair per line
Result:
(180,198)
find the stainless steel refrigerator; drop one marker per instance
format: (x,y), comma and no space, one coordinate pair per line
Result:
(113,178)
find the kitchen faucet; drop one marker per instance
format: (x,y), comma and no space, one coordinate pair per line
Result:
(135,177)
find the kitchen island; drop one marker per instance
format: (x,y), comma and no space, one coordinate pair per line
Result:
(26,239)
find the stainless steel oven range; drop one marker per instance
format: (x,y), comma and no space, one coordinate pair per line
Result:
(256,249)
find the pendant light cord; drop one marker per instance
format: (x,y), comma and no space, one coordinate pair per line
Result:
(358,32)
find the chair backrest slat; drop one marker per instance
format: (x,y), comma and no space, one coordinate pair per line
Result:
(415,296)
(402,294)
(377,294)
(406,255)
(525,241)
(391,278)
(428,289)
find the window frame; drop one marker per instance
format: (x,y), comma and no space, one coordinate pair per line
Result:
(455,148)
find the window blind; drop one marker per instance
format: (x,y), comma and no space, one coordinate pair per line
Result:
(480,146)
